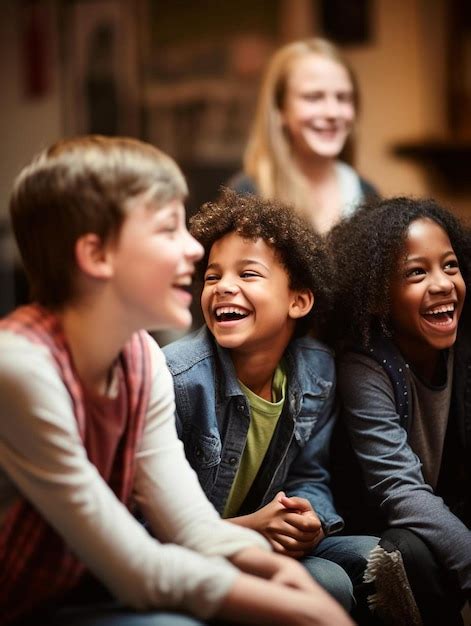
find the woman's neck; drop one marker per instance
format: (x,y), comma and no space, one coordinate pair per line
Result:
(323,205)
(316,169)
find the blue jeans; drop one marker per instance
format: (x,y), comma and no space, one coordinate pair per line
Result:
(338,564)
(112,614)
(91,604)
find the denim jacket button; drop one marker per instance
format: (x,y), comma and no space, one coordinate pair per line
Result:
(232,460)
(199,452)
(240,407)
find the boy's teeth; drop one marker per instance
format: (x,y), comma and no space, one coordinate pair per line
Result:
(229,309)
(229,313)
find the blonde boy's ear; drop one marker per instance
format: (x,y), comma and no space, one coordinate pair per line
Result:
(92,256)
(301,304)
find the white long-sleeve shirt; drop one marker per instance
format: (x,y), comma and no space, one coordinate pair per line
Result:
(42,457)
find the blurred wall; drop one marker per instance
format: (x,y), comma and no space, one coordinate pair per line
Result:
(395,94)
(27,123)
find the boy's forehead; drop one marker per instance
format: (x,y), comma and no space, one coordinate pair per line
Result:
(154,202)
(236,247)
(238,241)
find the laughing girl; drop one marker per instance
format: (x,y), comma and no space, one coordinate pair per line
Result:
(306,113)
(405,382)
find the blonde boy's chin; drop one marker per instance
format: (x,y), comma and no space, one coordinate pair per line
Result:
(179,324)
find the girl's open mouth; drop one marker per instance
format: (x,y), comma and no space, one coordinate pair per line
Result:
(441,316)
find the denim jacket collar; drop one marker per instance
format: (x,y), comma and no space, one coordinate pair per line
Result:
(302,380)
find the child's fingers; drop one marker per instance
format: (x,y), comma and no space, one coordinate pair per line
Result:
(290,524)
(307,522)
(294,502)
(280,549)
(290,530)
(277,546)
(292,545)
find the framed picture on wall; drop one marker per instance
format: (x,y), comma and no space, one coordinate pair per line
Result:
(345,21)
(459,69)
(100,67)
(202,75)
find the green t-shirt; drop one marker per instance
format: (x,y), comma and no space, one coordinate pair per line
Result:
(264,416)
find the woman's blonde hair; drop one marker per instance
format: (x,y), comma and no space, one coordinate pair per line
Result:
(268,159)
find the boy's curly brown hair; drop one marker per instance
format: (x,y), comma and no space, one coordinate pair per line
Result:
(366,249)
(300,250)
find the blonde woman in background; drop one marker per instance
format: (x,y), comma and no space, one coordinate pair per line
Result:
(306,111)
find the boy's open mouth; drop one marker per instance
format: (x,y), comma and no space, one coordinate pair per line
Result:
(440,315)
(187,288)
(185,284)
(229,313)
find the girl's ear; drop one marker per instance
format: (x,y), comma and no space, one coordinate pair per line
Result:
(301,304)
(92,256)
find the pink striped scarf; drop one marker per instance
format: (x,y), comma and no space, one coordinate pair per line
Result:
(36,565)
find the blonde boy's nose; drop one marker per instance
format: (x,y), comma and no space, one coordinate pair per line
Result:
(194,250)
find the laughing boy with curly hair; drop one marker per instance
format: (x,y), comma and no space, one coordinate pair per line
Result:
(255,394)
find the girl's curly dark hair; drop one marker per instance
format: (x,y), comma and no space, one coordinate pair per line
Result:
(299,249)
(366,248)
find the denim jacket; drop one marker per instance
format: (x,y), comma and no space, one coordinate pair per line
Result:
(213,417)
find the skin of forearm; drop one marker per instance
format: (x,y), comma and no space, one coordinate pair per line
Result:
(255,561)
(255,601)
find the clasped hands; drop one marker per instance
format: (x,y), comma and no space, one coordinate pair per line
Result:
(289,524)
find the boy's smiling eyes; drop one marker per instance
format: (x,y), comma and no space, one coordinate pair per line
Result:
(244,274)
(169,229)
(167,224)
(168,219)
(245,269)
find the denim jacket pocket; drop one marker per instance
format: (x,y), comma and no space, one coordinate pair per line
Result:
(203,451)
(313,406)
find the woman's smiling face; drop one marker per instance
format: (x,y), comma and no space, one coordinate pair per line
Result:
(318,110)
